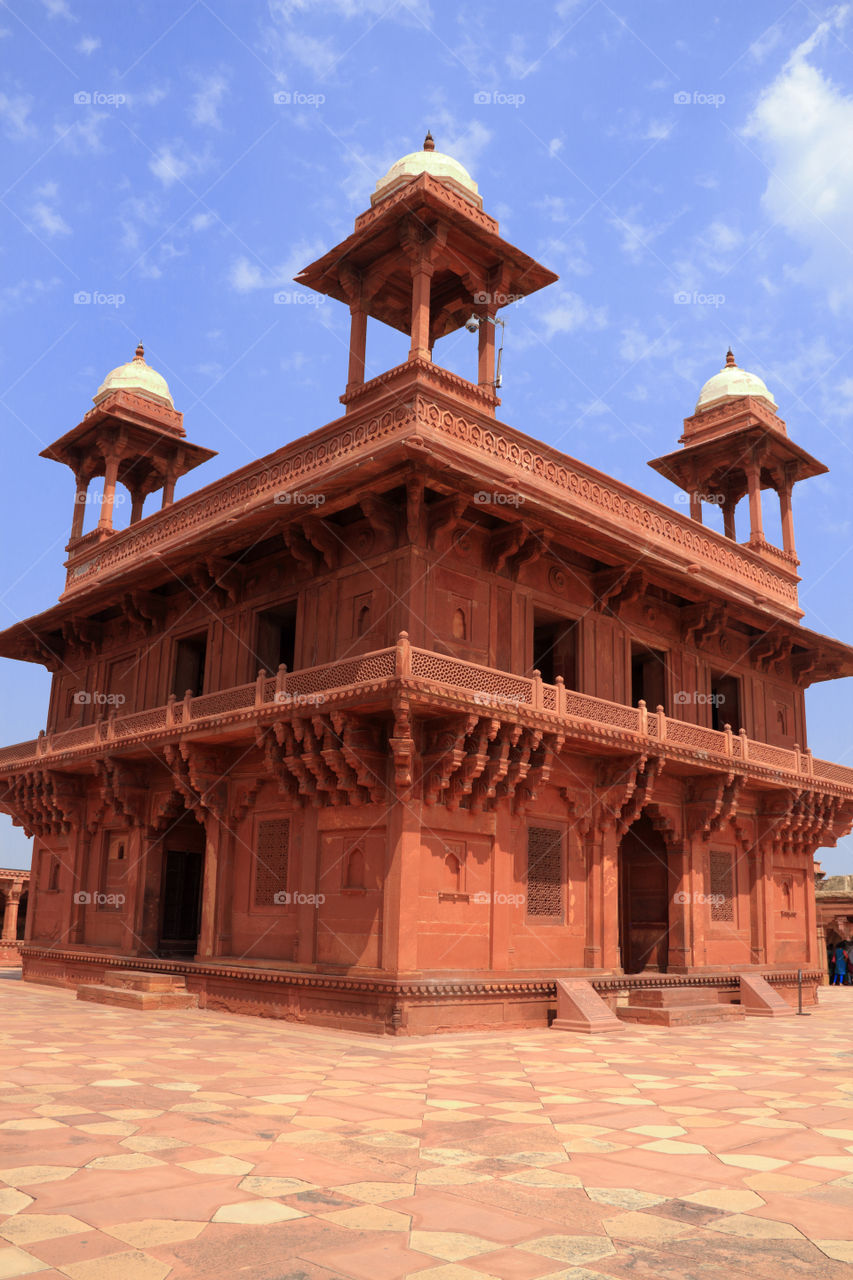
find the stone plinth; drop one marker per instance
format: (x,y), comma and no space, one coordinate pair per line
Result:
(132,990)
(759,999)
(580,1008)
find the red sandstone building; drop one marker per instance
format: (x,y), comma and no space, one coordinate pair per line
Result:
(399,725)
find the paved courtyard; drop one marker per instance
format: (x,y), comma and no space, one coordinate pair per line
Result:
(141,1146)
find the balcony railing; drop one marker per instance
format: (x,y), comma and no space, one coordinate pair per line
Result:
(484,687)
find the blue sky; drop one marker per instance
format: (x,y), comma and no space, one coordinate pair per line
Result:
(646,151)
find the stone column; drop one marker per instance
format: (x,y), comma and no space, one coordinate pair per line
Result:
(503,884)
(421,287)
(80,881)
(486,352)
(787,516)
(753,480)
(212,855)
(169,489)
(729,517)
(10,914)
(680,882)
(602,900)
(695,506)
(110,478)
(79,516)
(137,502)
(402,885)
(357,346)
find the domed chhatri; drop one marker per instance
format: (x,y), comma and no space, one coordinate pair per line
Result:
(437,164)
(136,376)
(731,383)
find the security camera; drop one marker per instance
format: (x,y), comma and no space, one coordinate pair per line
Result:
(473,324)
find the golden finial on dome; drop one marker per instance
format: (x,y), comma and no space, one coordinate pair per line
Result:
(731,363)
(140,352)
(429,144)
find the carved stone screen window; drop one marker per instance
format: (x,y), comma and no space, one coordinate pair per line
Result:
(722,888)
(544,873)
(271,853)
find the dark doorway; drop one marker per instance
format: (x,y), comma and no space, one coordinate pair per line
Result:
(190,658)
(648,677)
(725,702)
(181,914)
(555,648)
(643,899)
(276,638)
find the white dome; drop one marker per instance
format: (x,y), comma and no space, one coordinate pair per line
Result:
(430,161)
(731,383)
(136,376)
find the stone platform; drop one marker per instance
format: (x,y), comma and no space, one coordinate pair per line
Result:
(677,1007)
(131,990)
(379,1004)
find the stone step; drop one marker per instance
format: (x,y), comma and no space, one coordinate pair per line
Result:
(144,981)
(679,1015)
(130,998)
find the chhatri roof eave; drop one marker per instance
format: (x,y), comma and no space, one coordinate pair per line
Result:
(423,190)
(149,434)
(680,461)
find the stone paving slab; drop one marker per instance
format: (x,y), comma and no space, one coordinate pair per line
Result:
(141,1146)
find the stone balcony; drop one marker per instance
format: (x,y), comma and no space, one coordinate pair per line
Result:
(435,685)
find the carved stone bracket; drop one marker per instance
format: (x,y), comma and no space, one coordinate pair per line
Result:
(701,622)
(617,587)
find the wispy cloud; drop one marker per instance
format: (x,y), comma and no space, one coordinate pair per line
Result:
(206,102)
(802,125)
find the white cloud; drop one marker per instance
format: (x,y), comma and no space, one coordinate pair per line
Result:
(174,162)
(58,9)
(85,134)
(206,102)
(803,123)
(87,45)
(201,221)
(25,291)
(50,220)
(246,275)
(15,113)
(568,312)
